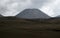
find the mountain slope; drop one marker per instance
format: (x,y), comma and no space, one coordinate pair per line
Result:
(1,15)
(32,14)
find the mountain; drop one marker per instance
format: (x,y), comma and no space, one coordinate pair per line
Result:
(1,15)
(32,14)
(58,16)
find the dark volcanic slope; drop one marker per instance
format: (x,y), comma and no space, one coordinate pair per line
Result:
(32,14)
(1,15)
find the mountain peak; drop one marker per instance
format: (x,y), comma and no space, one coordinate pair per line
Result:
(32,14)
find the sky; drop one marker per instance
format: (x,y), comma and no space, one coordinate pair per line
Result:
(14,7)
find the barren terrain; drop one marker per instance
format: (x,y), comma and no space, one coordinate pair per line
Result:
(22,28)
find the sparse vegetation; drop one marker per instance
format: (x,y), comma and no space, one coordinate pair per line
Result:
(29,28)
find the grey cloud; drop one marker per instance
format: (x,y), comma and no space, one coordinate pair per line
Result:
(13,7)
(38,3)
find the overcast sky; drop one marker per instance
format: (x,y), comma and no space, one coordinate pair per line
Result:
(13,7)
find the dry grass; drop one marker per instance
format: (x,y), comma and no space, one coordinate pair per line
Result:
(29,29)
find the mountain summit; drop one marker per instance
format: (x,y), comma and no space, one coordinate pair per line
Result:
(32,14)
